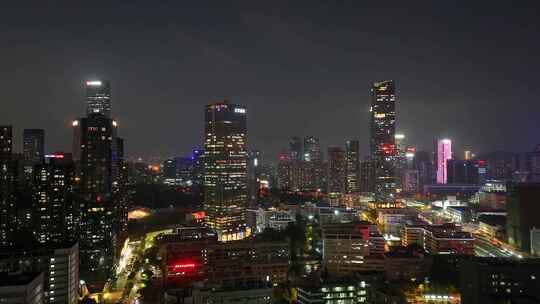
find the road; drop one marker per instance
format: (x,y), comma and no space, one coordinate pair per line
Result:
(485,248)
(125,288)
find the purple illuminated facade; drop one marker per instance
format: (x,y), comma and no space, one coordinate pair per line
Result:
(444,153)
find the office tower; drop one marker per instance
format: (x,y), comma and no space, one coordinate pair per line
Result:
(119,185)
(98,97)
(426,170)
(225,162)
(253,177)
(367,175)
(353,166)
(59,264)
(284,171)
(382,140)
(466,171)
(313,164)
(336,170)
(522,214)
(411,181)
(97,238)
(444,153)
(33,146)
(295,147)
(55,209)
(197,174)
(500,164)
(7,185)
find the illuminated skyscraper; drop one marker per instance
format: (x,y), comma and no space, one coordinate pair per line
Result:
(382,140)
(353,166)
(444,153)
(98,97)
(97,237)
(225,162)
(33,146)
(313,165)
(55,206)
(254,176)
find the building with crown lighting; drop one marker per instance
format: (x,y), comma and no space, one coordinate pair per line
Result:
(225,176)
(382,138)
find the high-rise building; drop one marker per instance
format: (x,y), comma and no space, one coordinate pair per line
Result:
(465,171)
(353,166)
(225,162)
(97,238)
(33,146)
(382,140)
(313,163)
(7,185)
(444,153)
(426,170)
(254,176)
(59,264)
(522,214)
(55,209)
(295,147)
(367,175)
(336,170)
(98,97)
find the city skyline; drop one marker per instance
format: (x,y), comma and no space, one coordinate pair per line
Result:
(440,81)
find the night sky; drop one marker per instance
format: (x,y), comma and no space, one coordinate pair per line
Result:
(465,71)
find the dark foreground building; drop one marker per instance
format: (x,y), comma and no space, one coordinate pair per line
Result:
(495,280)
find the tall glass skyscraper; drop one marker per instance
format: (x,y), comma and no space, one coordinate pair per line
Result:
(225,177)
(444,153)
(382,139)
(98,97)
(313,164)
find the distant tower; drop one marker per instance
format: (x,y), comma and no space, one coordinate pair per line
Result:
(7,186)
(313,167)
(33,146)
(382,139)
(295,146)
(336,170)
(225,178)
(352,148)
(444,153)
(98,97)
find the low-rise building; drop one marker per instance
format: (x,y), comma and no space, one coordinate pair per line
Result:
(437,239)
(221,263)
(352,247)
(359,288)
(406,263)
